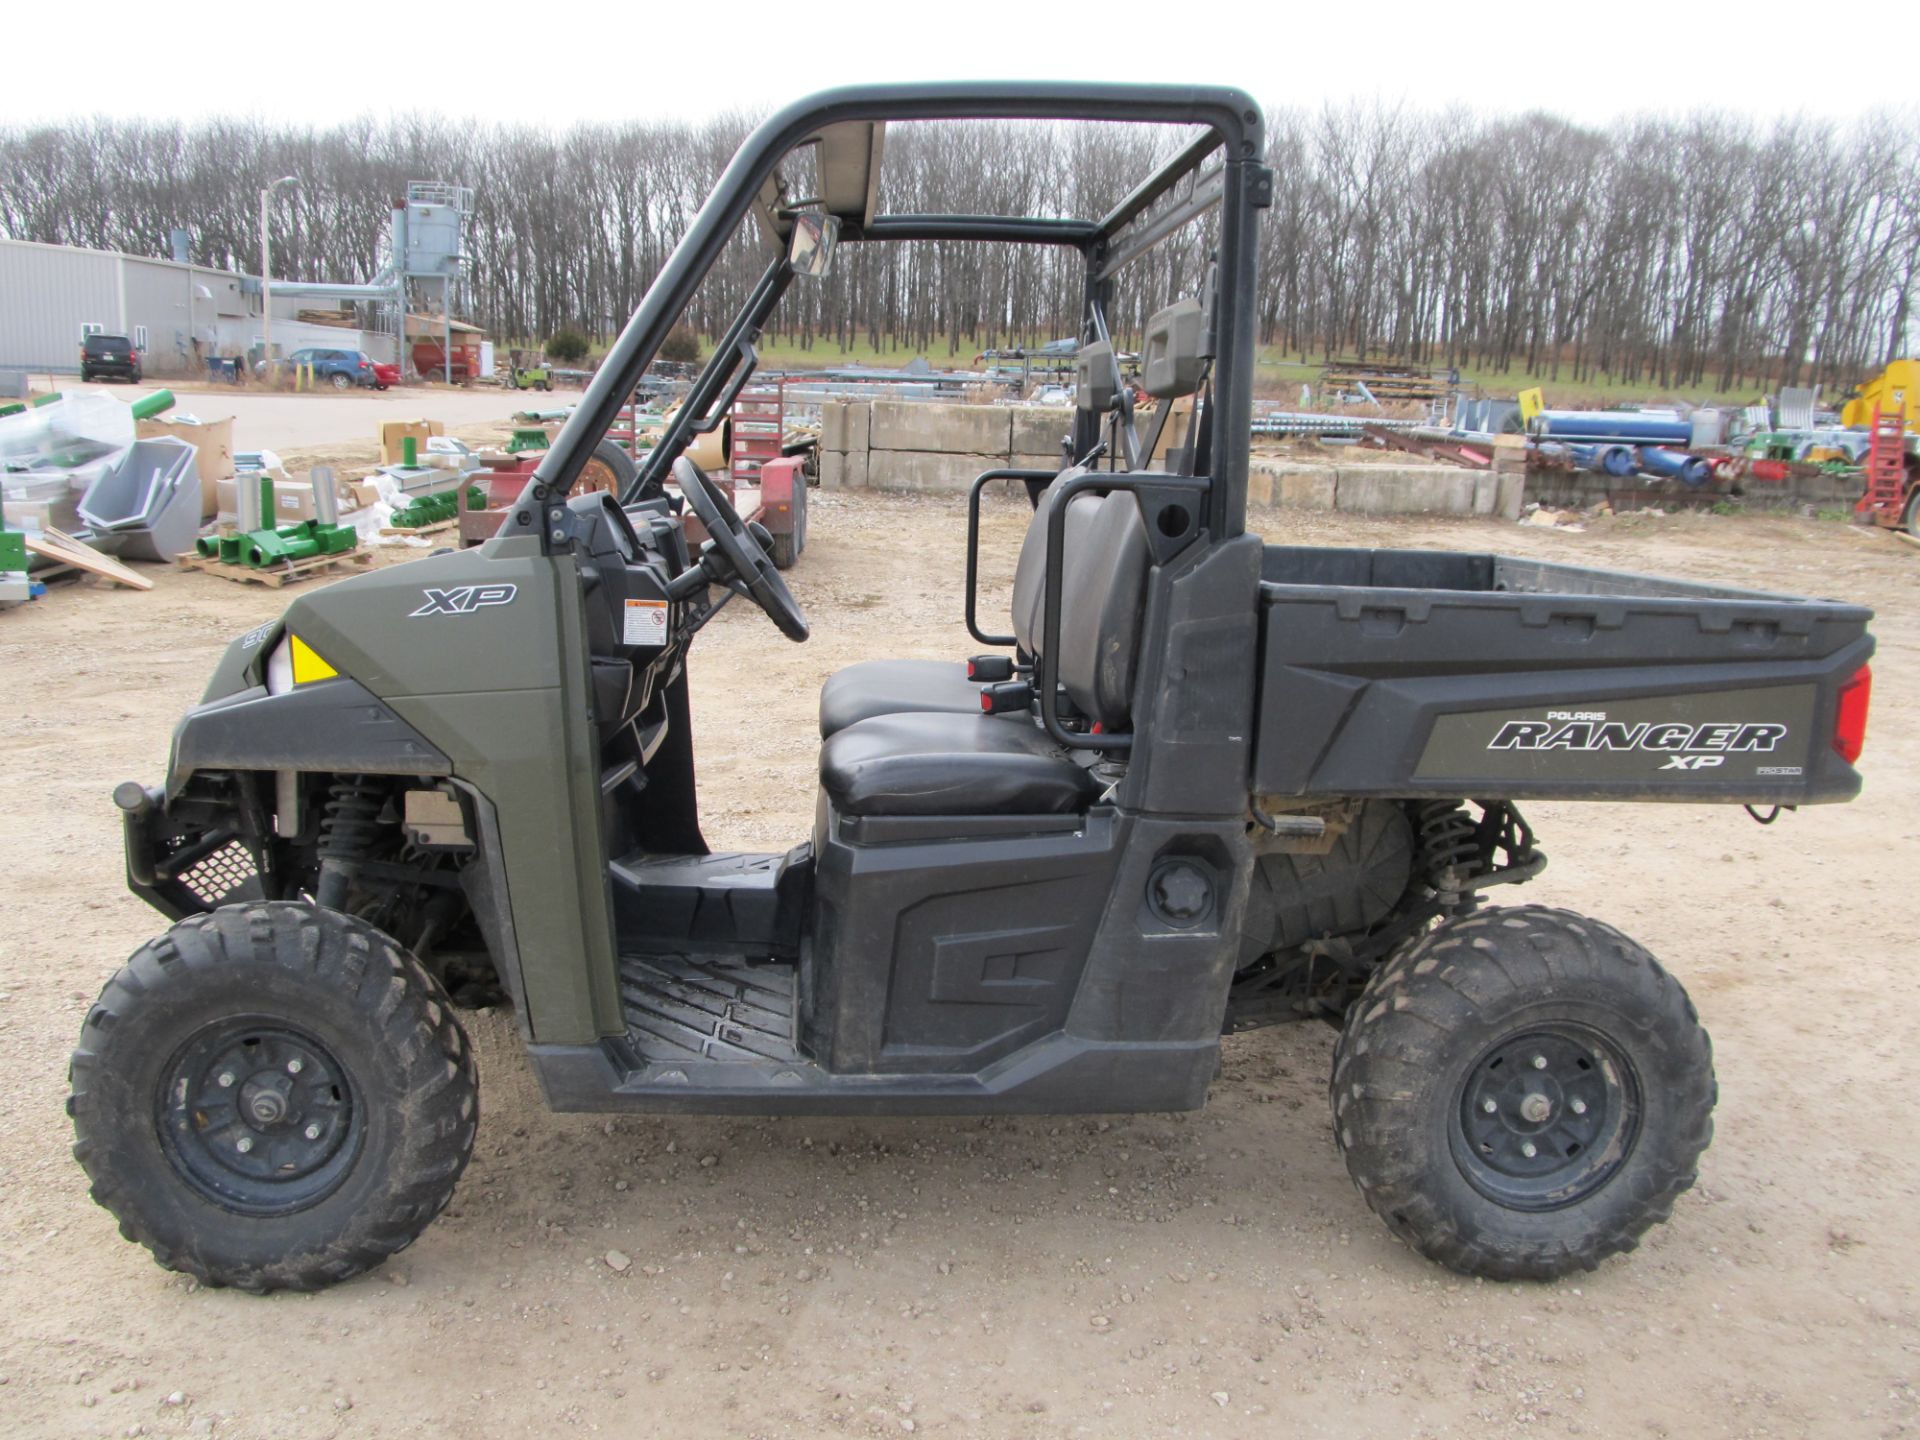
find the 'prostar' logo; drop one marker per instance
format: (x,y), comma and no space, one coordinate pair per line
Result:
(465,599)
(1688,747)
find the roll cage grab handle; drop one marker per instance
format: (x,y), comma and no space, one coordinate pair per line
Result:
(1231,114)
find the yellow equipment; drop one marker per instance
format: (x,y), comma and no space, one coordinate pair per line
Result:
(1882,391)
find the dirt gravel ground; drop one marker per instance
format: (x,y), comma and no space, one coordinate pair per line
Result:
(290,422)
(1211,1274)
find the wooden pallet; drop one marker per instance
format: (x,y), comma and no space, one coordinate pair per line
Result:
(289,572)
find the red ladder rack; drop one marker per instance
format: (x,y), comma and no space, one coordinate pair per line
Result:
(759,430)
(1887,463)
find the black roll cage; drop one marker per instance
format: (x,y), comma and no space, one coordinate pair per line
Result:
(1241,185)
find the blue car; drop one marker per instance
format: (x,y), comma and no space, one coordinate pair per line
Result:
(342,369)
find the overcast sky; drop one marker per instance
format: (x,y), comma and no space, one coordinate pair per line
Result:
(553,64)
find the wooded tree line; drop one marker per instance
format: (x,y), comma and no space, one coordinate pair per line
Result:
(1699,250)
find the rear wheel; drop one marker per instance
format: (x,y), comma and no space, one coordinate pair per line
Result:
(274,1096)
(1523,1093)
(1910,516)
(342,380)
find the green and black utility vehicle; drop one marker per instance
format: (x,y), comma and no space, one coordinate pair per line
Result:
(1193,784)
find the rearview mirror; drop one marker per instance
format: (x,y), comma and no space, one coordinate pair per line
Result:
(810,251)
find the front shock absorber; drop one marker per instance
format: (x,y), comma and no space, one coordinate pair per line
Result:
(1449,853)
(349,826)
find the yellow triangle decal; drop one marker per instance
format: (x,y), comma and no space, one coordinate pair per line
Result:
(307,666)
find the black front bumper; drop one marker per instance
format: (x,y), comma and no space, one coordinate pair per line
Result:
(182,868)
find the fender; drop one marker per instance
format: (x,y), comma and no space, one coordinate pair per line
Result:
(336,725)
(778,481)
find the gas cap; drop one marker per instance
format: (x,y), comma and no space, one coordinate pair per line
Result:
(1180,892)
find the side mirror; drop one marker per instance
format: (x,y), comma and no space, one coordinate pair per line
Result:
(810,251)
(1096,378)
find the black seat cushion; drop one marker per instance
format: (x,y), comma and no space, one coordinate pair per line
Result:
(924,764)
(887,687)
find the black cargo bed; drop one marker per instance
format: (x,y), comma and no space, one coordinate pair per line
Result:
(1397,672)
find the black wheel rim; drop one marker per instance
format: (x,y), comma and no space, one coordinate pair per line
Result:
(1545,1117)
(259,1117)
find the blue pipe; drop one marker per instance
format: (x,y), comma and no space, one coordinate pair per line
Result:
(1689,470)
(1614,460)
(1592,425)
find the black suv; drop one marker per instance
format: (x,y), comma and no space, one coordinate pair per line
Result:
(109,355)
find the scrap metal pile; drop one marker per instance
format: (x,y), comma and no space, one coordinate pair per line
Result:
(82,490)
(1676,450)
(88,482)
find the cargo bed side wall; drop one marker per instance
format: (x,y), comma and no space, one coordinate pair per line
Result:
(1354,680)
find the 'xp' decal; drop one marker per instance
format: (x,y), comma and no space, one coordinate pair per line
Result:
(465,599)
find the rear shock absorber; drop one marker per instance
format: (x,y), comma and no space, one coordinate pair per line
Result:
(1449,847)
(349,825)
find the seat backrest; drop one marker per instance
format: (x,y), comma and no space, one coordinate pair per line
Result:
(1030,570)
(1103,587)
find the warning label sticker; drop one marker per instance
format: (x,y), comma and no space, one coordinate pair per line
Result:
(646,623)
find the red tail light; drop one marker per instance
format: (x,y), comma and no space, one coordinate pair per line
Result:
(1850,716)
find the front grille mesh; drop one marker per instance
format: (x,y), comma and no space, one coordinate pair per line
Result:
(217,876)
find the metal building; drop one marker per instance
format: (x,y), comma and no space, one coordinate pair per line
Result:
(177,315)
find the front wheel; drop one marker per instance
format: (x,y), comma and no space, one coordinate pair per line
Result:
(273,1096)
(1523,1093)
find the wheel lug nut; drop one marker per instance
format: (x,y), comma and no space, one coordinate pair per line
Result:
(1529,1149)
(294,1067)
(1539,1062)
(1489,1106)
(243,1144)
(226,1079)
(1579,1107)
(313,1132)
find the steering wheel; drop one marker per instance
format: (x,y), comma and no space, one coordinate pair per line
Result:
(743,552)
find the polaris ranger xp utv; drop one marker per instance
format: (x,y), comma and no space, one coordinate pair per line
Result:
(1195,784)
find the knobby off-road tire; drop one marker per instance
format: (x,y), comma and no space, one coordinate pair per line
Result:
(1523,1093)
(273,1096)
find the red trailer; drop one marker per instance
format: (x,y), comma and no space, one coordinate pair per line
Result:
(430,359)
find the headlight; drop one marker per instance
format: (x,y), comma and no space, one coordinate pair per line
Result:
(294,662)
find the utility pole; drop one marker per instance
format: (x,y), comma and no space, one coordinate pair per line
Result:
(266,271)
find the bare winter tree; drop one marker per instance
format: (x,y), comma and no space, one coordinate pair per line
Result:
(1681,251)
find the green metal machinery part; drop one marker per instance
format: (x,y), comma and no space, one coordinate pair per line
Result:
(431,509)
(262,548)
